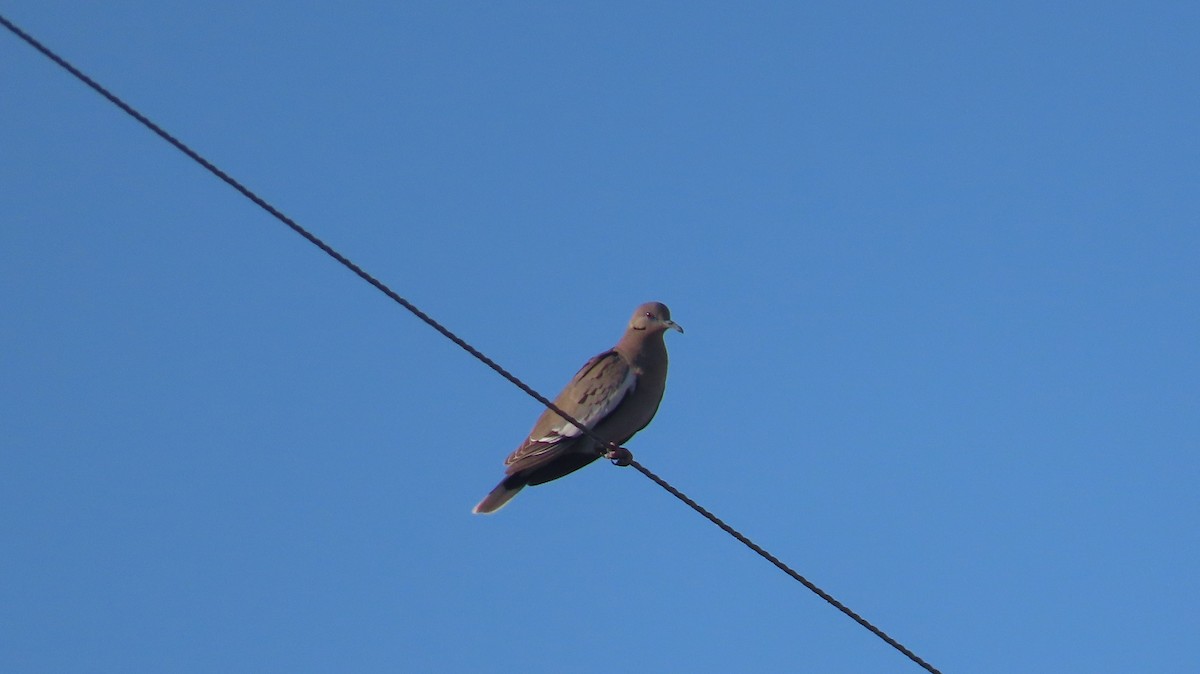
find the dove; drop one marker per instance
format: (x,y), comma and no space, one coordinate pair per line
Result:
(615,395)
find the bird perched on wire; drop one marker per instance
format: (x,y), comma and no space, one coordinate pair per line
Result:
(615,395)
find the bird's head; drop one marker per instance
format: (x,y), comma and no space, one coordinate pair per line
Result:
(654,317)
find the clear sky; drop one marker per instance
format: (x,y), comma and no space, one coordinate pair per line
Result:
(939,268)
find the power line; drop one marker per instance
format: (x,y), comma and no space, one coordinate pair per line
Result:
(782,567)
(619,455)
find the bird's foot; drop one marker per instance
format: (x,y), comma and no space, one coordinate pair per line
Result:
(619,456)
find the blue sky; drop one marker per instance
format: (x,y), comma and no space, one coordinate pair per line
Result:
(938,270)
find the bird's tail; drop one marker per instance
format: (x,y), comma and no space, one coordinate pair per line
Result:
(499,496)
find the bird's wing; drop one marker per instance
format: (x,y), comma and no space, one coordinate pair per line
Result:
(593,394)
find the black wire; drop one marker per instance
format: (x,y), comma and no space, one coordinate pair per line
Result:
(782,567)
(262,203)
(346,262)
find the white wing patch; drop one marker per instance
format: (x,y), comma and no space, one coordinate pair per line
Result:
(593,414)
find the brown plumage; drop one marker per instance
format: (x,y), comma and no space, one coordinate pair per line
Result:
(615,394)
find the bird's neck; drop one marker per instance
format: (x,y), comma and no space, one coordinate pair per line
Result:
(646,351)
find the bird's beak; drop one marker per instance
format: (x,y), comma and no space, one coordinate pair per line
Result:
(673,326)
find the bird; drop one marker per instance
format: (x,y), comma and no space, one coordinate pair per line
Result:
(615,395)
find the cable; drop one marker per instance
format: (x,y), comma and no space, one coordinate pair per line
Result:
(782,567)
(262,203)
(620,455)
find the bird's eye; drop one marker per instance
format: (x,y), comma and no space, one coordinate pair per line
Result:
(649,315)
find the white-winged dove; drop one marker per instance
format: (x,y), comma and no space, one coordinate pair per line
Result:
(615,395)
